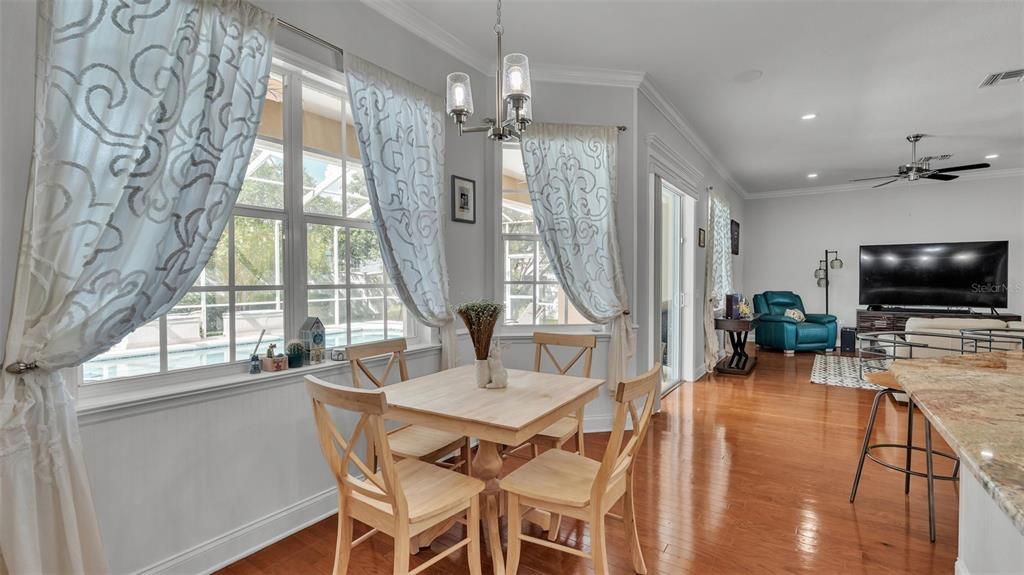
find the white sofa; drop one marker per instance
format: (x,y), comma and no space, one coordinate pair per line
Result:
(951,326)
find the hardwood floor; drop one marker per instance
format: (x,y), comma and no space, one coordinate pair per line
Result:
(738,475)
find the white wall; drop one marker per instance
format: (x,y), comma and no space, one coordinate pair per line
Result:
(785,237)
(651,121)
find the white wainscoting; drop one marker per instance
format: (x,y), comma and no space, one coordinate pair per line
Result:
(188,485)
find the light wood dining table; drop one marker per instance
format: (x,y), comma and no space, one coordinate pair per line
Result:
(449,400)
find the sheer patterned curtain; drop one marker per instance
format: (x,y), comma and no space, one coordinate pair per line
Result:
(400,128)
(146,114)
(571,173)
(718,272)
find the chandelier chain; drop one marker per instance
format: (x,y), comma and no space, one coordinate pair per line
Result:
(498,28)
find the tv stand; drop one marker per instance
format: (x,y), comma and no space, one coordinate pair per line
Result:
(895,318)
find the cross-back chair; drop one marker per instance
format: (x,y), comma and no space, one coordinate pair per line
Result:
(560,432)
(569,484)
(401,498)
(409,441)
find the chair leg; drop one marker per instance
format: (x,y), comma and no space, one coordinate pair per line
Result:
(402,553)
(629,518)
(867,441)
(515,529)
(467,458)
(343,550)
(599,543)
(473,533)
(910,443)
(931,479)
(554,526)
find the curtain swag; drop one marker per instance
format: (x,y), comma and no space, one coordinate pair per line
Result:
(571,174)
(400,128)
(146,114)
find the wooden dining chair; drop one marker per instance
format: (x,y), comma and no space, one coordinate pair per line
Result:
(560,432)
(409,441)
(403,498)
(569,484)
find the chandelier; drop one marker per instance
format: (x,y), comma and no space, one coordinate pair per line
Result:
(512,96)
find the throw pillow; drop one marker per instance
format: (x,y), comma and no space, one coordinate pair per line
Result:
(795,314)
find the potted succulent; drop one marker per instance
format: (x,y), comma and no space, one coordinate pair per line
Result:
(480,318)
(296,353)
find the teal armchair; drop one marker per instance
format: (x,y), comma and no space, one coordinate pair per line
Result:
(776,331)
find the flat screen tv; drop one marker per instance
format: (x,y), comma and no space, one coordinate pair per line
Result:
(968,274)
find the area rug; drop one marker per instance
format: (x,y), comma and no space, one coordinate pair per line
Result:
(845,371)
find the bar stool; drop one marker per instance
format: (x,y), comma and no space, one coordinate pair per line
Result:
(887,380)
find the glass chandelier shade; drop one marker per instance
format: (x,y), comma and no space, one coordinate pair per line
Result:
(822,282)
(836,264)
(460,94)
(515,76)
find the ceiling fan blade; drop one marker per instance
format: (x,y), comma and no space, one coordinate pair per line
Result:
(962,168)
(940,177)
(875,178)
(884,184)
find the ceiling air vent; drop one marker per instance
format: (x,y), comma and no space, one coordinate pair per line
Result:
(1000,78)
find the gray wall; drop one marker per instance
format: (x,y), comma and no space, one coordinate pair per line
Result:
(651,121)
(785,237)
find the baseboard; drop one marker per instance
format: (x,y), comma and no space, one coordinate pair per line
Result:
(597,423)
(245,540)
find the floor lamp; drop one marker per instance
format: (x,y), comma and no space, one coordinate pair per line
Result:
(822,272)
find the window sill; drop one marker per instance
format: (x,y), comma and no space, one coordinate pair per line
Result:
(131,397)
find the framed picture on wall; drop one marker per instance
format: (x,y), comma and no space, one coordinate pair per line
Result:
(735,235)
(463,200)
(701,237)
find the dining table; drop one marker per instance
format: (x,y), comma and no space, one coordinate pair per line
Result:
(450,400)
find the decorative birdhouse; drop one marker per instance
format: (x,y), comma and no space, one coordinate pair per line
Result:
(314,339)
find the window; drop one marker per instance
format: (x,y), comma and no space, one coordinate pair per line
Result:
(530,288)
(300,242)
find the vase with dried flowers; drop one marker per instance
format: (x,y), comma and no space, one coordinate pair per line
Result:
(480,318)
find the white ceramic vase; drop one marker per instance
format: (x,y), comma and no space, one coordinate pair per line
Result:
(483,372)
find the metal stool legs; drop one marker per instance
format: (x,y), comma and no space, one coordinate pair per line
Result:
(867,446)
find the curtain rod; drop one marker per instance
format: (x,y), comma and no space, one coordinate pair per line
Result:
(308,36)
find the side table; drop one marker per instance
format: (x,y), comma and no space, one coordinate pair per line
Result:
(739,363)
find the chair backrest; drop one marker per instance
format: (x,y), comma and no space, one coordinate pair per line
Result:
(585,345)
(777,302)
(356,354)
(618,457)
(339,451)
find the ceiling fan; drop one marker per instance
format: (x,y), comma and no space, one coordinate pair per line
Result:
(920,168)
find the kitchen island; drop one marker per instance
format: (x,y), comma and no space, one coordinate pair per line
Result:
(976,403)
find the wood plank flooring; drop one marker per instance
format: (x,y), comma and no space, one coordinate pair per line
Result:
(738,475)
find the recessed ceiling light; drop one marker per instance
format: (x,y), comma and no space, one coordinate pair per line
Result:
(808,116)
(991,156)
(812,176)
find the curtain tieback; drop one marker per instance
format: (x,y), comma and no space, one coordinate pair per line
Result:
(19,367)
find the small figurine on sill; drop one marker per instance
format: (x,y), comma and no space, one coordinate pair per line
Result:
(273,361)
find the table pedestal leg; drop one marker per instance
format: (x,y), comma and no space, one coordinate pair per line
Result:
(487,467)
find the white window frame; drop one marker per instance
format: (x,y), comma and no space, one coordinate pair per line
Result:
(295,70)
(499,266)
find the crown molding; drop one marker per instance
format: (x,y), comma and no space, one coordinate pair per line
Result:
(857,186)
(401,13)
(670,112)
(412,20)
(664,161)
(586,76)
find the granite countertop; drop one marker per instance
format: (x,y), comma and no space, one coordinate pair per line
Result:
(976,402)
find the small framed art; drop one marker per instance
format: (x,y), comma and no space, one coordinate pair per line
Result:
(701,237)
(463,200)
(734,235)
